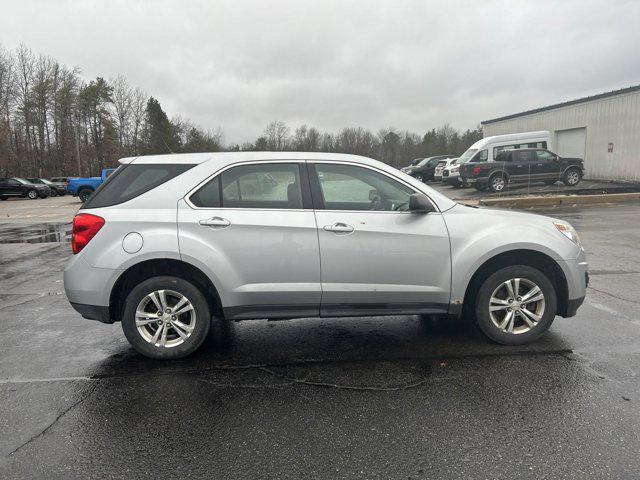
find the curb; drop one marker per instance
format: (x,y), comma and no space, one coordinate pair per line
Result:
(561,200)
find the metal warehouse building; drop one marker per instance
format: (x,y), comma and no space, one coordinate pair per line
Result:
(603,129)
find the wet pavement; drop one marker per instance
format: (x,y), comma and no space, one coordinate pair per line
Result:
(375,397)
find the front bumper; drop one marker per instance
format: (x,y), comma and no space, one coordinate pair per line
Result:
(576,273)
(452,180)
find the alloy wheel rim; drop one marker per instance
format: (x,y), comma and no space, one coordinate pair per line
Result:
(516,306)
(498,183)
(32,194)
(165,318)
(573,178)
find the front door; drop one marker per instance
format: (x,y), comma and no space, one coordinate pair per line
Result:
(376,256)
(253,228)
(548,165)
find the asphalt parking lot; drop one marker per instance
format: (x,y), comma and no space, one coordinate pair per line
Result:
(378,397)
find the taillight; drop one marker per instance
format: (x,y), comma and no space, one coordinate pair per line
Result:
(476,171)
(85,227)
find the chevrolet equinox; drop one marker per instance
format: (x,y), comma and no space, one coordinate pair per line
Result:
(169,243)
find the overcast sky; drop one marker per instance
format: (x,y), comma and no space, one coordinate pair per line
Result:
(410,64)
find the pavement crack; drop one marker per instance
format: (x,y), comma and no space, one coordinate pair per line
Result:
(369,388)
(612,295)
(56,420)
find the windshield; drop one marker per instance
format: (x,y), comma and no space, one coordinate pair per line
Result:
(424,162)
(36,180)
(21,180)
(466,156)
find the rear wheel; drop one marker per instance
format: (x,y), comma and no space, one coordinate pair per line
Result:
(54,192)
(2,197)
(497,183)
(515,305)
(166,317)
(32,194)
(84,194)
(572,177)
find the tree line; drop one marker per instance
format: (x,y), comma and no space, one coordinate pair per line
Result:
(55,123)
(393,147)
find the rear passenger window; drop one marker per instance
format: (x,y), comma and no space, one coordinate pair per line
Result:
(129,181)
(253,186)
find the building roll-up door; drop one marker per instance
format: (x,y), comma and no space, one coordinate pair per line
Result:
(571,143)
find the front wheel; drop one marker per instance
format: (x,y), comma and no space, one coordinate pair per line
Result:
(54,193)
(32,194)
(572,177)
(515,305)
(166,317)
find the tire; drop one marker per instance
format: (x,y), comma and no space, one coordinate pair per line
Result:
(497,182)
(54,193)
(32,194)
(494,287)
(147,339)
(572,177)
(62,193)
(2,197)
(84,194)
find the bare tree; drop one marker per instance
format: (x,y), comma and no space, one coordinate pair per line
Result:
(123,106)
(277,135)
(138,112)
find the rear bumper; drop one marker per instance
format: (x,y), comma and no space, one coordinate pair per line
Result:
(93,312)
(572,307)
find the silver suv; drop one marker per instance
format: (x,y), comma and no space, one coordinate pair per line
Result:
(170,243)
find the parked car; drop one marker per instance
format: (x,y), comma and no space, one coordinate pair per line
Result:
(451,174)
(522,166)
(442,164)
(83,187)
(59,179)
(424,169)
(488,148)
(171,243)
(56,188)
(20,187)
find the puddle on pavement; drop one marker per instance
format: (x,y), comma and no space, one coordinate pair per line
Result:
(38,233)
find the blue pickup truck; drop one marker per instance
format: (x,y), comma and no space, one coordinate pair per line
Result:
(83,187)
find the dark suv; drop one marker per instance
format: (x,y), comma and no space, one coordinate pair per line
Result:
(425,169)
(19,187)
(521,166)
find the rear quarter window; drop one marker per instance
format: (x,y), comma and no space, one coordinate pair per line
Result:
(130,181)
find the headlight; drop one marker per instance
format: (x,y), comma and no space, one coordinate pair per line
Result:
(568,231)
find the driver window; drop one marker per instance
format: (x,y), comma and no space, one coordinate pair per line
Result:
(347,187)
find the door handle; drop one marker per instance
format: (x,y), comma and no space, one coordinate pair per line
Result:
(338,228)
(215,222)
(539,164)
(519,166)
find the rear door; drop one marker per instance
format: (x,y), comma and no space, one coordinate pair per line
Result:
(254,228)
(520,165)
(376,257)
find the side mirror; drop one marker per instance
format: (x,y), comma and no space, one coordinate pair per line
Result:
(420,203)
